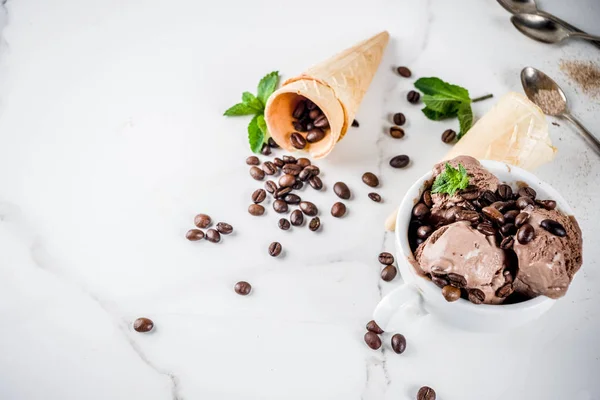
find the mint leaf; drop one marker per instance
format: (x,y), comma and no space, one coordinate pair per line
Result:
(239,109)
(250,100)
(256,137)
(436,86)
(262,125)
(267,86)
(465,119)
(435,115)
(450,180)
(441,104)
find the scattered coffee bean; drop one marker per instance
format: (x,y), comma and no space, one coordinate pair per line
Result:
(396,132)
(292,198)
(521,219)
(440,282)
(400,161)
(224,228)
(193,235)
(426,393)
(413,97)
(389,273)
(373,327)
(424,231)
(280,206)
(314,224)
(375,197)
(554,227)
(212,235)
(405,72)
(272,143)
(505,290)
(507,243)
(471,192)
(299,109)
(523,202)
(451,293)
(298,141)
(292,169)
(259,195)
(309,208)
(510,215)
(202,221)
(486,228)
(370,179)
(321,122)
(298,185)
(338,210)
(504,191)
(314,170)
(525,234)
(457,280)
(269,168)
(278,162)
(252,160)
(257,173)
(283,224)
(297,218)
(372,340)
(242,288)
(341,190)
(143,325)
(266,150)
(282,192)
(287,180)
(420,211)
(476,296)
(289,160)
(448,136)
(305,174)
(508,229)
(275,249)
(547,204)
(315,135)
(399,119)
(526,191)
(256,209)
(316,183)
(386,258)
(303,162)
(493,214)
(398,343)
(270,187)
(355,123)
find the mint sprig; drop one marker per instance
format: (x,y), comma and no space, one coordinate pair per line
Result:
(451,180)
(255,105)
(444,100)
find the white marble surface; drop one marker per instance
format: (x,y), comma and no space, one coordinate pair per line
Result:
(112,139)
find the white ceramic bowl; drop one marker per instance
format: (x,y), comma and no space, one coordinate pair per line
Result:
(462,313)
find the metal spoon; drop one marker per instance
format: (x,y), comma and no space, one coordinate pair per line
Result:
(545,30)
(540,87)
(530,7)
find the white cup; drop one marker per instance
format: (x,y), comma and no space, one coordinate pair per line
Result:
(421,292)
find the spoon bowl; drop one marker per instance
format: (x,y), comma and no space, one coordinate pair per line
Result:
(519,6)
(545,29)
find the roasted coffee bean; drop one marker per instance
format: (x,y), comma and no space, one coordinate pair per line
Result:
(476,296)
(298,185)
(292,169)
(275,249)
(303,162)
(282,192)
(283,224)
(523,202)
(399,119)
(426,198)
(526,191)
(298,141)
(450,214)
(298,126)
(272,143)
(373,327)
(504,192)
(292,198)
(386,258)
(507,243)
(487,197)
(289,160)
(547,204)
(396,132)
(143,325)
(398,343)
(242,288)
(315,135)
(521,218)
(269,168)
(310,105)
(424,231)
(309,208)
(451,293)
(413,97)
(338,209)
(486,228)
(256,210)
(270,187)
(305,174)
(457,280)
(355,123)
(266,150)
(224,228)
(202,221)
(257,173)
(420,211)
(252,160)
(403,71)
(440,281)
(375,197)
(259,196)
(510,216)
(554,227)
(448,136)
(507,276)
(466,215)
(508,229)
(372,340)
(426,393)
(321,122)
(471,192)
(505,290)
(314,113)
(400,161)
(278,162)
(314,170)
(493,214)
(316,183)
(370,179)
(299,109)
(193,235)
(287,180)
(525,234)
(341,190)
(468,206)
(314,224)
(280,206)
(212,235)
(389,273)
(297,218)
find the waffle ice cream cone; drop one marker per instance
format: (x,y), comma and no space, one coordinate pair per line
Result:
(336,86)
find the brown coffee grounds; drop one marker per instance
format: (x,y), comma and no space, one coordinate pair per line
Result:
(549,101)
(585,73)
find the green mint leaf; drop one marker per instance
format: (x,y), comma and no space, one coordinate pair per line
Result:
(433,115)
(253,102)
(441,104)
(436,86)
(267,86)
(465,119)
(256,137)
(262,125)
(450,180)
(239,109)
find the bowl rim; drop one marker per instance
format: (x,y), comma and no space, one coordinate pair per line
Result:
(408,202)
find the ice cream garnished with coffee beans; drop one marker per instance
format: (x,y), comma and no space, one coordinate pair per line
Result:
(485,241)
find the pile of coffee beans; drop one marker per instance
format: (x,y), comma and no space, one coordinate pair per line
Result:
(310,120)
(373,340)
(203,221)
(503,215)
(389,271)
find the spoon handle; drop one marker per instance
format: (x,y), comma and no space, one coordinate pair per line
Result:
(584,36)
(591,140)
(565,24)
